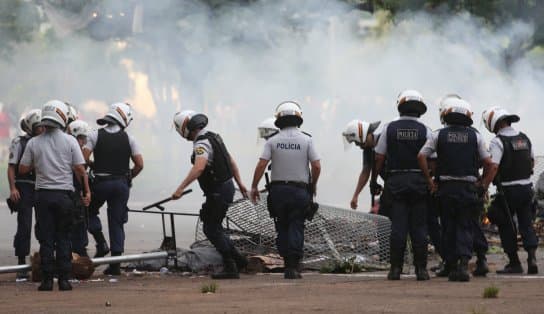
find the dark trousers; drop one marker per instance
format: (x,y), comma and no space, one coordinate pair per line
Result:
(79,238)
(479,241)
(386,202)
(433,225)
(115,193)
(213,212)
(408,213)
(520,201)
(54,215)
(288,206)
(21,242)
(459,206)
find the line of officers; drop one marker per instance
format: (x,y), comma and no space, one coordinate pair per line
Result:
(419,168)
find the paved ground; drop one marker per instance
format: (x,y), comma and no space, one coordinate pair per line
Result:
(270,293)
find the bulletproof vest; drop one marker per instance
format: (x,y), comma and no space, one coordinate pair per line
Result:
(516,162)
(457,150)
(404,140)
(219,170)
(112,153)
(31,176)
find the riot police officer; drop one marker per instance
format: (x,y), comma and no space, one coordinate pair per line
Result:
(513,158)
(361,133)
(400,143)
(214,168)
(459,150)
(293,183)
(112,149)
(53,155)
(79,129)
(22,187)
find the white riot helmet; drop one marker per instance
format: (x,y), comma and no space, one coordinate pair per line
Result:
(72,113)
(492,116)
(443,104)
(31,120)
(78,128)
(357,131)
(458,112)
(187,121)
(288,113)
(119,113)
(411,102)
(267,128)
(54,114)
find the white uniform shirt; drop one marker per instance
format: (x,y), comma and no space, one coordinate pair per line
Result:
(203,148)
(290,151)
(497,149)
(53,154)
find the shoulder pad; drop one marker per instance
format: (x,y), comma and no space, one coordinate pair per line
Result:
(307,134)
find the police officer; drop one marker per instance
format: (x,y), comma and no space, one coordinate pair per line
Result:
(459,149)
(214,168)
(112,149)
(361,133)
(293,183)
(79,129)
(400,143)
(267,128)
(513,158)
(22,187)
(53,155)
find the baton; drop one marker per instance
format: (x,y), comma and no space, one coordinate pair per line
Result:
(166,200)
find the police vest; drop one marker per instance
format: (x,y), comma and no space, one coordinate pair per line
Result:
(31,176)
(516,163)
(112,153)
(457,150)
(404,141)
(220,169)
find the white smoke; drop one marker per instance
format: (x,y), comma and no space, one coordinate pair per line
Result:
(236,63)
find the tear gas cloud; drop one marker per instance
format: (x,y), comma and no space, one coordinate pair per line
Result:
(236,63)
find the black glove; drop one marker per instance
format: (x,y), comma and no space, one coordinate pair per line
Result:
(375,188)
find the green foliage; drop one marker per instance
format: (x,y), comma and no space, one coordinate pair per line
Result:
(209,288)
(491,292)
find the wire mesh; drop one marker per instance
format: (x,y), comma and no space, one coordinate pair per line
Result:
(333,235)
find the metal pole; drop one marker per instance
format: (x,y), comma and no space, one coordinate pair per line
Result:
(98,261)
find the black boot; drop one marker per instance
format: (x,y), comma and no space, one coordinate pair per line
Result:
(291,271)
(64,284)
(444,270)
(513,266)
(102,248)
(239,259)
(481,266)
(532,268)
(420,263)
(462,270)
(229,269)
(23,274)
(47,283)
(115,268)
(396,260)
(452,267)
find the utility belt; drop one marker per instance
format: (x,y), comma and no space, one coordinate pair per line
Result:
(25,181)
(297,184)
(402,171)
(55,190)
(109,177)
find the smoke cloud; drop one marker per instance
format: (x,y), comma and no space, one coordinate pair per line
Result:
(236,63)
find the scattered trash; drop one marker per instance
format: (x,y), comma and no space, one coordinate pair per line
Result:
(138,273)
(96,280)
(74,281)
(21,280)
(164,271)
(113,280)
(108,304)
